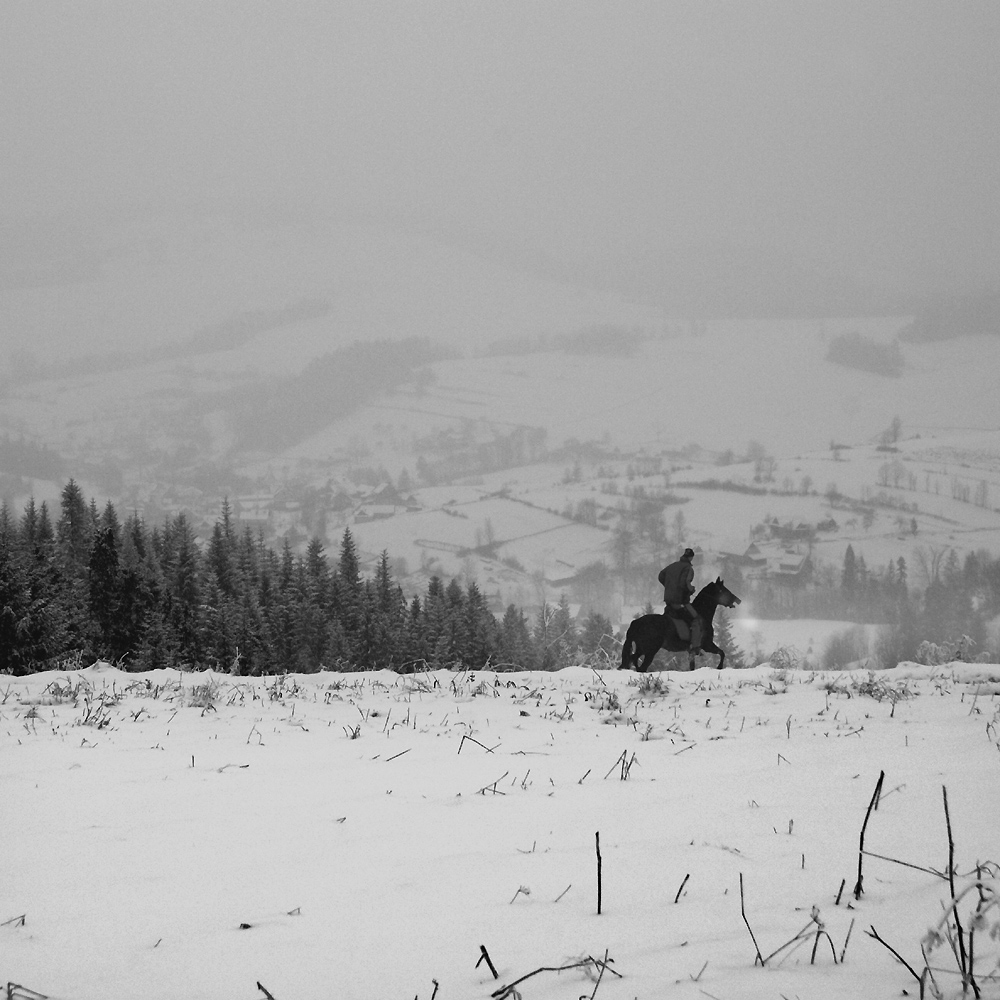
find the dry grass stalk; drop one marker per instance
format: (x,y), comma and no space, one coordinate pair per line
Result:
(743,912)
(17,992)
(597,838)
(492,786)
(681,889)
(858,888)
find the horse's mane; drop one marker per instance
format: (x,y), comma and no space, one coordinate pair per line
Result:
(702,602)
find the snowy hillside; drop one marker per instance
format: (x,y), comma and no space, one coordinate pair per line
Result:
(158,275)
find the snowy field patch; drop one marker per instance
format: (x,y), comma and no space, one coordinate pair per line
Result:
(368,835)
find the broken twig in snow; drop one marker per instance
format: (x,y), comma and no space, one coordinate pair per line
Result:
(485,957)
(508,991)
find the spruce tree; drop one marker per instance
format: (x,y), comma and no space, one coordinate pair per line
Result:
(104,591)
(849,575)
(565,633)
(723,638)
(598,639)
(73,529)
(514,642)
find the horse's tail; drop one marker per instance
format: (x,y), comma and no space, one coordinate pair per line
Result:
(628,650)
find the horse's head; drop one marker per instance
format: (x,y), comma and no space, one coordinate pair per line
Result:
(721,594)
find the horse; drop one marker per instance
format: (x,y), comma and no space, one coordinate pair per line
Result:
(648,634)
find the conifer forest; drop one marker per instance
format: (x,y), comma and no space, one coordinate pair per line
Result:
(83,584)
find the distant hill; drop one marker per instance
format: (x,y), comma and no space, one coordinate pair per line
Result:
(958,316)
(156,276)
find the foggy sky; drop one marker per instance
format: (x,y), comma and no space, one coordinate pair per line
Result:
(859,135)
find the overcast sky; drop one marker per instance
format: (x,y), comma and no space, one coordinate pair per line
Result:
(864,133)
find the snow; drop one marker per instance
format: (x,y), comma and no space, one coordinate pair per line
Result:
(376,864)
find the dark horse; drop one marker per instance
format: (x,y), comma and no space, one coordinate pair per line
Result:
(647,635)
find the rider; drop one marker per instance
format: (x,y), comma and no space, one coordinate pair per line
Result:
(678,586)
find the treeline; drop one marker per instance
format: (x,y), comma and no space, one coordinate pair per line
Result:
(854,351)
(147,597)
(960,598)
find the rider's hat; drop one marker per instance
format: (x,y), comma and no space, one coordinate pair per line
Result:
(688,554)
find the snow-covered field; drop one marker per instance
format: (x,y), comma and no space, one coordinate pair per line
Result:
(364,835)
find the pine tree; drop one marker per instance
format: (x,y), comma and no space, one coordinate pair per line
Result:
(348,607)
(108,521)
(514,642)
(849,576)
(74,527)
(479,632)
(723,638)
(598,638)
(104,590)
(29,525)
(183,572)
(14,657)
(565,633)
(543,636)
(221,561)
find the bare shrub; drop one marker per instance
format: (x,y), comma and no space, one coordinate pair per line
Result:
(786,658)
(877,687)
(203,696)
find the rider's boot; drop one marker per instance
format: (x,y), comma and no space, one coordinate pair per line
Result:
(696,634)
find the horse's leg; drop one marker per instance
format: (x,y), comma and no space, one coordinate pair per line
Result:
(646,657)
(710,647)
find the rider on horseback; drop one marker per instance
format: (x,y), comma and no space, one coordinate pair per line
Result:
(678,586)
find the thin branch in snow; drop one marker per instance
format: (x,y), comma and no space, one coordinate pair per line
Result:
(600,975)
(509,991)
(875,936)
(466,736)
(967,977)
(743,911)
(864,826)
(905,864)
(843,951)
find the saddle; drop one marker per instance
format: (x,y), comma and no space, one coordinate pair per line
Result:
(683,628)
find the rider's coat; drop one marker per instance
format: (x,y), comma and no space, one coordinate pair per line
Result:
(678,582)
